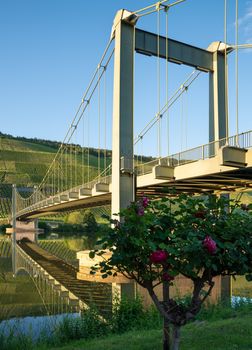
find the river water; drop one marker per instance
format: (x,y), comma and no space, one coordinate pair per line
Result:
(22,310)
(35,327)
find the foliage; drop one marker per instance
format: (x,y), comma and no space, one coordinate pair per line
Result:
(4,227)
(69,230)
(46,227)
(130,314)
(233,333)
(239,307)
(89,325)
(197,237)
(15,342)
(90,228)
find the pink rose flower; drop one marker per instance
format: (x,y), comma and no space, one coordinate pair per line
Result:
(140,211)
(167,277)
(158,257)
(145,201)
(210,245)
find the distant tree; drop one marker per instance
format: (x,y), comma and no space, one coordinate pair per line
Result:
(3,228)
(44,226)
(90,228)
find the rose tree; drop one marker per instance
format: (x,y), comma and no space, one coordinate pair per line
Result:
(197,237)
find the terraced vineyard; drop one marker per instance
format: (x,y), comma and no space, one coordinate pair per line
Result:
(5,248)
(5,200)
(24,162)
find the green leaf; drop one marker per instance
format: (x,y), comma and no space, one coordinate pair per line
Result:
(92,254)
(249,277)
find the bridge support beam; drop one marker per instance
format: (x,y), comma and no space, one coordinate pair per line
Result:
(218,124)
(123,189)
(122,142)
(211,60)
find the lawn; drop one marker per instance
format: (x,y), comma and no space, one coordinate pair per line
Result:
(231,334)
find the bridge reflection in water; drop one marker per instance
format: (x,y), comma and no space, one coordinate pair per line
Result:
(57,283)
(222,165)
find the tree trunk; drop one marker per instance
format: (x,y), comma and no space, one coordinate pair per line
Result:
(176,337)
(166,330)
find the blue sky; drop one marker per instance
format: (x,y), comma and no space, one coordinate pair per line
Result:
(50,48)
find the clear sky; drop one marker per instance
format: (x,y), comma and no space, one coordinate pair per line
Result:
(50,48)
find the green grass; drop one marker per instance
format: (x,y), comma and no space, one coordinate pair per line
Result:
(230,334)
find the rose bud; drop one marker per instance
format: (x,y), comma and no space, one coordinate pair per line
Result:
(167,277)
(210,245)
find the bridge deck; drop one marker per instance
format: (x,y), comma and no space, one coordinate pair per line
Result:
(200,170)
(91,293)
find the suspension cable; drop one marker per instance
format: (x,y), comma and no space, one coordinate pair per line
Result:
(166,77)
(99,122)
(194,75)
(85,103)
(88,158)
(83,151)
(242,46)
(181,121)
(158,82)
(153,8)
(76,157)
(226,69)
(105,120)
(186,116)
(236,73)
(134,75)
(76,119)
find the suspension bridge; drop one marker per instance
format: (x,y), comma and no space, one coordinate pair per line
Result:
(222,165)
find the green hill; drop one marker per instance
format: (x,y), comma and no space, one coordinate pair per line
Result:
(25,161)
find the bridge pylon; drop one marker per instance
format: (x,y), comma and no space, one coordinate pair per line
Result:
(20,229)
(123,137)
(123,188)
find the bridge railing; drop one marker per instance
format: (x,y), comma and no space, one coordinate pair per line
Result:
(35,200)
(206,151)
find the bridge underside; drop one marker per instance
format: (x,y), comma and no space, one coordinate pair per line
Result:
(230,181)
(216,174)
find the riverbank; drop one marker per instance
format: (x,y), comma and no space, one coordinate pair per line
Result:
(131,327)
(234,333)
